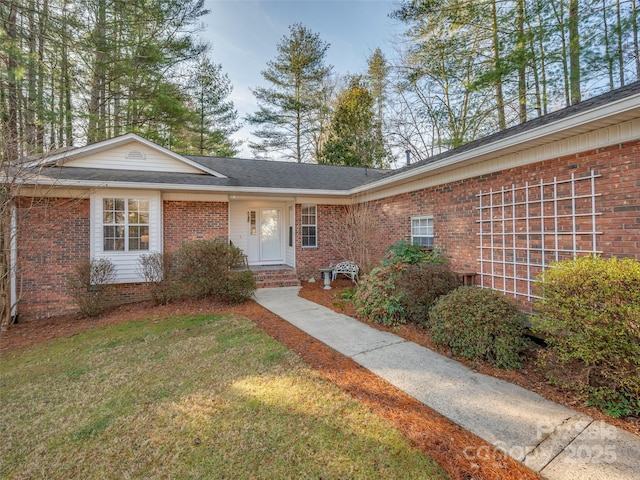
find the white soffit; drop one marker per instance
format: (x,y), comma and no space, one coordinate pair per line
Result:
(581,124)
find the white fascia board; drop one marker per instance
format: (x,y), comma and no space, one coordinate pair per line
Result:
(289,192)
(493,148)
(117,141)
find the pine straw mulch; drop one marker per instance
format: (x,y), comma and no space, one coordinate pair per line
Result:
(529,377)
(451,446)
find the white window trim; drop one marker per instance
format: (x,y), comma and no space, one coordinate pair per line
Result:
(432,236)
(302,224)
(126,262)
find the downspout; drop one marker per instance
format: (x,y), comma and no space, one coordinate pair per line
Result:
(13,277)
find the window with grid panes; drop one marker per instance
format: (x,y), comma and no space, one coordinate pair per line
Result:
(309,226)
(422,231)
(125,224)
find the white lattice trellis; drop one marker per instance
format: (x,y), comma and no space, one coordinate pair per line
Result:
(524,228)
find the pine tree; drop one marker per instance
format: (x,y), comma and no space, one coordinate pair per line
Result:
(288,107)
(353,138)
(215,116)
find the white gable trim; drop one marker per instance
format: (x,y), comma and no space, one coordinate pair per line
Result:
(129,138)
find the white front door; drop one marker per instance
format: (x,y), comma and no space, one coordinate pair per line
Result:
(271,235)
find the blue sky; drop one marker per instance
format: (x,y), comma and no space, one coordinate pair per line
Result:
(244,35)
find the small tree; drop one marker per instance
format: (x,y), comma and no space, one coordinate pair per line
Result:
(89,284)
(353,135)
(354,236)
(155,268)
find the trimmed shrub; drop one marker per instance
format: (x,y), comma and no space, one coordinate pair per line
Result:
(239,286)
(479,324)
(404,252)
(590,316)
(420,285)
(155,268)
(376,298)
(89,283)
(204,268)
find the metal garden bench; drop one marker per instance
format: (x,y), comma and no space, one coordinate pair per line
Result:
(346,268)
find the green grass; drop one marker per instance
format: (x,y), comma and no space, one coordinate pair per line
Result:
(187,397)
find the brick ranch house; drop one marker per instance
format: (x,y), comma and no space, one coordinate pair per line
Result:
(504,206)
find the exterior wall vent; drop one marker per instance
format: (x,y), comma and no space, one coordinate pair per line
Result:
(135,155)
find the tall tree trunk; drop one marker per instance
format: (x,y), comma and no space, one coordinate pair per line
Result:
(542,58)
(31,101)
(634,24)
(12,134)
(574,51)
(497,64)
(95,129)
(522,62)
(42,35)
(620,44)
(559,12)
(607,49)
(534,65)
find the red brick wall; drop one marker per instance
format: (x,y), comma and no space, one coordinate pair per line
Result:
(310,259)
(453,207)
(187,221)
(53,235)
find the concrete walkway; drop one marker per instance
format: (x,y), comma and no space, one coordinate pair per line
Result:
(551,439)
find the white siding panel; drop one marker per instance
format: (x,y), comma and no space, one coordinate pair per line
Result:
(118,159)
(126,263)
(289,252)
(238,224)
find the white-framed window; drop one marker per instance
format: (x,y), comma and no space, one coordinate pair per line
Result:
(422,231)
(309,226)
(125,224)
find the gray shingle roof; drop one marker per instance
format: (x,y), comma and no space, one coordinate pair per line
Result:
(583,106)
(269,174)
(264,174)
(240,172)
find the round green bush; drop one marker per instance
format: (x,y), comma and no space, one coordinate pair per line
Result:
(239,286)
(209,268)
(479,324)
(589,314)
(375,298)
(420,285)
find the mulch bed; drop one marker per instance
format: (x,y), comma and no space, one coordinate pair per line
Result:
(460,453)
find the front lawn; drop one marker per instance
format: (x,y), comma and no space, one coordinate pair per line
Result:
(207,396)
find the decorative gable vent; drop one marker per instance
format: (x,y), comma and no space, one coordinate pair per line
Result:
(135,155)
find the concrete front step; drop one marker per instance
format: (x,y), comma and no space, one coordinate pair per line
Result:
(276,278)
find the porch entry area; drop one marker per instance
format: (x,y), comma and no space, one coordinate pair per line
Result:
(264,230)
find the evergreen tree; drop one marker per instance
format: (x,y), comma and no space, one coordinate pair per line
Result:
(353,137)
(378,79)
(215,118)
(288,108)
